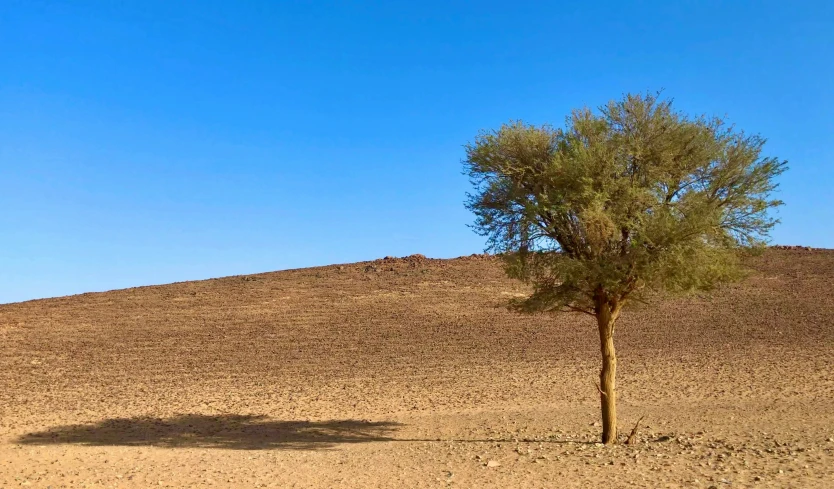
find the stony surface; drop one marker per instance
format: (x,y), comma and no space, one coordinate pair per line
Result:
(408,372)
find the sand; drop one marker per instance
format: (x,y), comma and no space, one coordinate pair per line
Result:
(411,373)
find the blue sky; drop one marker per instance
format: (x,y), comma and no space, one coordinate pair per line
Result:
(146,142)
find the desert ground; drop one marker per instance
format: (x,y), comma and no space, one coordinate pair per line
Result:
(410,372)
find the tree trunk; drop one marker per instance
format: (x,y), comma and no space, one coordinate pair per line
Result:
(607,376)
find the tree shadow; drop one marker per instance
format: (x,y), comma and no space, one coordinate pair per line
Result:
(221,431)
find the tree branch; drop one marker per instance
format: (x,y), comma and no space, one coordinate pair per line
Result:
(579,309)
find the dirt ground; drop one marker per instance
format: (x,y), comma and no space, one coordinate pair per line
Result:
(410,373)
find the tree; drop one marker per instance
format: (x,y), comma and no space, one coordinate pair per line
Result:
(633,198)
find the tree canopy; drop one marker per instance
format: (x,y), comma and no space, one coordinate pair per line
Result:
(633,197)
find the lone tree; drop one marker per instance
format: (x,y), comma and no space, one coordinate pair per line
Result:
(632,198)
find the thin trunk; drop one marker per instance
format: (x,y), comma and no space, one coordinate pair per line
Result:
(608,374)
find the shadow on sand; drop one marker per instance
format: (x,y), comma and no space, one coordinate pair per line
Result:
(238,432)
(223,431)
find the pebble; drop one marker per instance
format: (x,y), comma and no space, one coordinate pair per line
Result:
(493,463)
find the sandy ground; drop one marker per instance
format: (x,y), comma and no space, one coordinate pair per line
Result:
(410,373)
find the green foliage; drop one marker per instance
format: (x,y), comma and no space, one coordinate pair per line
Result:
(634,197)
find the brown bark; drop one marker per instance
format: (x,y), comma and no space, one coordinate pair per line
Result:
(606,317)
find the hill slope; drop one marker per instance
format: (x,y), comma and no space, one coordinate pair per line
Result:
(426,351)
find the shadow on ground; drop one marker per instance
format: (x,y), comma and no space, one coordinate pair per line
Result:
(223,431)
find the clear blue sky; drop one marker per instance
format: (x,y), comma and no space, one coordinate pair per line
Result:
(146,142)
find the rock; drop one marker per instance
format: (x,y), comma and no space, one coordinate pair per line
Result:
(493,463)
(793,247)
(476,256)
